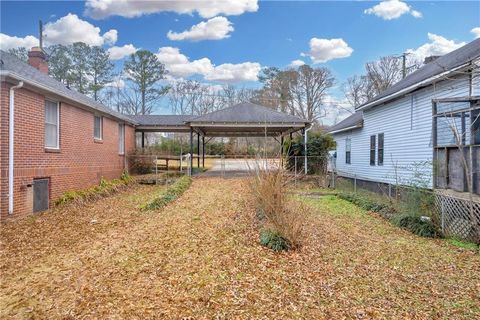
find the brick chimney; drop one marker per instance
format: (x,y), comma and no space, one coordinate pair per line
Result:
(38,59)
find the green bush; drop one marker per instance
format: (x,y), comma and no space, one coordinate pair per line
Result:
(363,202)
(318,146)
(169,195)
(416,225)
(273,240)
(104,189)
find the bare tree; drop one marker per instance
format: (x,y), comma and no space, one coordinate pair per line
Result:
(307,89)
(379,76)
(358,90)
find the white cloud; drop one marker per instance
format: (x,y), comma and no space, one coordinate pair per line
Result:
(100,9)
(228,72)
(213,29)
(66,30)
(117,53)
(296,63)
(9,42)
(416,14)
(323,50)
(392,9)
(438,46)
(476,32)
(110,37)
(70,29)
(179,65)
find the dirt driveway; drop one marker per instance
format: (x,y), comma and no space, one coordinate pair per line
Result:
(200,258)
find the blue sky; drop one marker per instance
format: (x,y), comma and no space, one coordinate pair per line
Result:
(265,33)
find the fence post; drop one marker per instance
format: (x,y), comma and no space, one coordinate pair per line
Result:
(295,170)
(156,167)
(355,184)
(390,190)
(181,162)
(223,165)
(442,214)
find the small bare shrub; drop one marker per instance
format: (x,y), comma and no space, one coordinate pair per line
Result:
(281,214)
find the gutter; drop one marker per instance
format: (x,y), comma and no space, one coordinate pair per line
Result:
(358,126)
(305,138)
(411,88)
(4,73)
(11,132)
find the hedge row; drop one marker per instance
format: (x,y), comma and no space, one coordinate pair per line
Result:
(363,202)
(170,194)
(105,188)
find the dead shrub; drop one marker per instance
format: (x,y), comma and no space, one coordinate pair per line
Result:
(280,214)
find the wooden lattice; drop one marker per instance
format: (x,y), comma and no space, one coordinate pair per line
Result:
(457,217)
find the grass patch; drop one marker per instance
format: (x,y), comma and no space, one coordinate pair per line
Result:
(105,188)
(169,195)
(464,244)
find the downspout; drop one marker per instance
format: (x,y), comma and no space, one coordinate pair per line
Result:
(305,138)
(11,122)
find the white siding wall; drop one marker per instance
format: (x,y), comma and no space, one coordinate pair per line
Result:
(407,126)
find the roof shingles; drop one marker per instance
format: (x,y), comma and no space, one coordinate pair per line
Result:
(13,67)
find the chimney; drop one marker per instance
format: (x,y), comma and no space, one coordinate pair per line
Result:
(430,59)
(38,59)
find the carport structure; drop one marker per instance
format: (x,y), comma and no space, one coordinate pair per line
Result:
(241,120)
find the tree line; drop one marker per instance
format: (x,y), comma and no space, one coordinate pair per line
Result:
(139,86)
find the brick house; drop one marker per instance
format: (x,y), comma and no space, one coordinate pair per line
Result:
(62,140)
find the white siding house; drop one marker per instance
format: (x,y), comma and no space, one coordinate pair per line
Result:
(404,116)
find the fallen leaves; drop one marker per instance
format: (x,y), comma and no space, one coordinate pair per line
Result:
(199,258)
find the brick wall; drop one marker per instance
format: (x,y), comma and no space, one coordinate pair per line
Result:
(80,162)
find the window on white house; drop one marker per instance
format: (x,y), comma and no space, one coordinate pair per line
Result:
(372,150)
(52,125)
(121,138)
(98,127)
(380,149)
(348,151)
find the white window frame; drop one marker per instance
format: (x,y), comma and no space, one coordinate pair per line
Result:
(348,145)
(57,145)
(121,138)
(101,126)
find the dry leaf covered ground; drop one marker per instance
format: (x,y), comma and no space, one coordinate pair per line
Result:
(199,257)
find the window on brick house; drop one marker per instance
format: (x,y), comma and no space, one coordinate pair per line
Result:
(98,127)
(52,125)
(121,138)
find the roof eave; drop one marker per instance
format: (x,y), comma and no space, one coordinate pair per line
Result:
(399,93)
(8,74)
(357,126)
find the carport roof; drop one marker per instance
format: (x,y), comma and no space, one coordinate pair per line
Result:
(243,119)
(247,113)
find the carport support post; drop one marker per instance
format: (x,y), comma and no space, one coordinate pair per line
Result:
(203,151)
(281,151)
(304,134)
(198,150)
(143,139)
(191,149)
